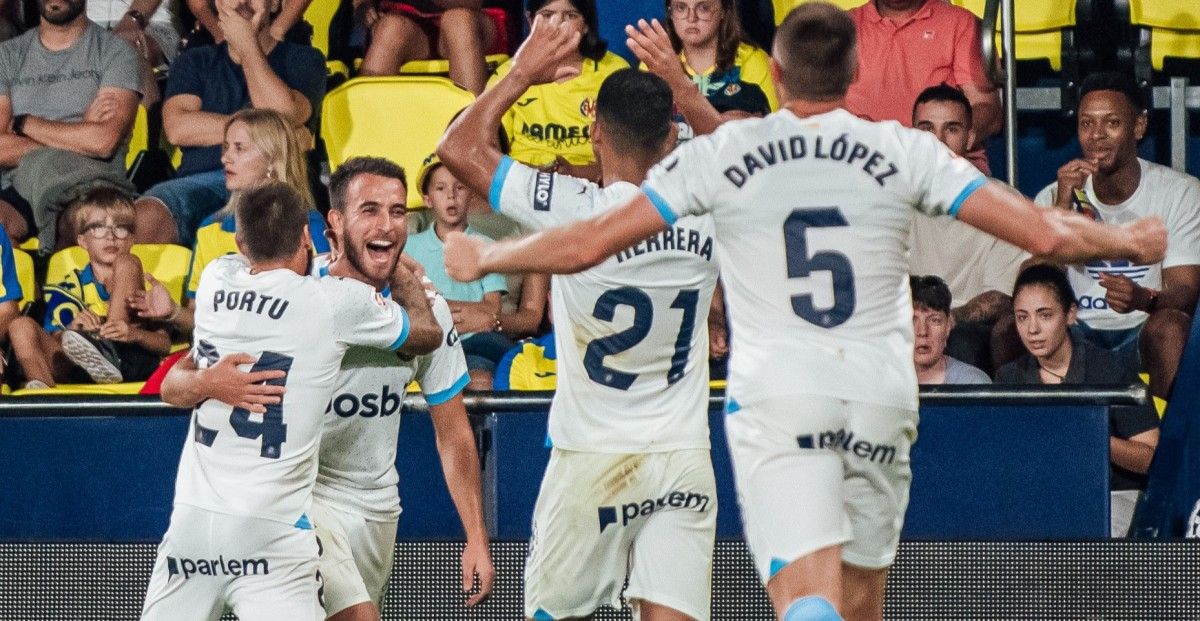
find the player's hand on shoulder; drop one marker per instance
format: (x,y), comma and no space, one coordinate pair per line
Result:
(477,562)
(542,58)
(1071,177)
(1148,239)
(227,383)
(463,256)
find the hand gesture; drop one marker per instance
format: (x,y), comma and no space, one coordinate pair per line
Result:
(226,383)
(154,304)
(1071,177)
(650,42)
(1148,238)
(418,271)
(241,32)
(1123,295)
(462,256)
(542,58)
(477,562)
(86,321)
(119,331)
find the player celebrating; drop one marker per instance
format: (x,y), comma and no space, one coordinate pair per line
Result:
(356,502)
(239,534)
(812,207)
(630,483)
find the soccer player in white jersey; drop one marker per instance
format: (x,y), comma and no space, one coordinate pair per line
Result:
(356,503)
(812,209)
(629,489)
(240,535)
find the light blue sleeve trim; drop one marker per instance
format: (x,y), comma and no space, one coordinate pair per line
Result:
(407,325)
(443,396)
(660,204)
(498,178)
(965,194)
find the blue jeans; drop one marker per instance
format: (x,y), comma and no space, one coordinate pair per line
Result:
(191,199)
(1123,343)
(483,350)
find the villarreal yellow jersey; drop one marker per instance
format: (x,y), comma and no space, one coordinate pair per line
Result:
(751,67)
(555,119)
(79,290)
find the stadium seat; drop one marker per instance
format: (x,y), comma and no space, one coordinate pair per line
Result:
(167,262)
(438,66)
(397,117)
(1043,28)
(25,276)
(1169,29)
(783,7)
(120,388)
(139,139)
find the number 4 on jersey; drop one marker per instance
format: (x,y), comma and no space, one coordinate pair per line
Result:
(271,429)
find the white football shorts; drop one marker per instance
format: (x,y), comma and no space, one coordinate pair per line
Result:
(600,517)
(263,570)
(814,471)
(356,557)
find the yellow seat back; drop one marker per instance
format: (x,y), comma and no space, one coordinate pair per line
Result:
(397,117)
(139,139)
(438,66)
(166,262)
(25,276)
(783,7)
(320,14)
(1174,27)
(1039,25)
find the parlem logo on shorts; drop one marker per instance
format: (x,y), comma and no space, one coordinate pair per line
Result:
(842,440)
(671,500)
(219,566)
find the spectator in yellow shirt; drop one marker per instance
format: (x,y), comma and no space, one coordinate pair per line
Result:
(732,74)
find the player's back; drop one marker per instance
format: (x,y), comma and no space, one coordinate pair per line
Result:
(264,465)
(812,217)
(631,334)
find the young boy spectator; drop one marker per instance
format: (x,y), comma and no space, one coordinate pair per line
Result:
(90,331)
(932,323)
(1141,312)
(483,344)
(404,30)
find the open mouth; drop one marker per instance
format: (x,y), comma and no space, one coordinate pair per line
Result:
(380,251)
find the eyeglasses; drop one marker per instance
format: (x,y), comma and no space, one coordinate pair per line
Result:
(704,11)
(99,230)
(566,16)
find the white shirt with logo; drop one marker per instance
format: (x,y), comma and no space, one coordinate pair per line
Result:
(812,218)
(1163,192)
(357,468)
(264,465)
(631,334)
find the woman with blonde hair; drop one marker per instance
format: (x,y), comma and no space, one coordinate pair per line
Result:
(260,146)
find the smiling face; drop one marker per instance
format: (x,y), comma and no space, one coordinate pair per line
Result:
(1109,129)
(931,329)
(246,166)
(1041,320)
(373,227)
(447,197)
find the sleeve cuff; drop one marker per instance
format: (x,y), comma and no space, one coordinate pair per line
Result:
(497,187)
(443,396)
(966,193)
(404,329)
(660,204)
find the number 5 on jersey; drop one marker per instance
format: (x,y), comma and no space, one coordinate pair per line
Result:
(801,265)
(271,429)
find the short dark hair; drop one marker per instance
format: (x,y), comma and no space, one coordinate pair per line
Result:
(270,222)
(943,92)
(591,45)
(931,292)
(636,109)
(356,166)
(815,47)
(1114,81)
(1051,277)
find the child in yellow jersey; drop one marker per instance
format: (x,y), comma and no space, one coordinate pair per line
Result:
(89,331)
(550,125)
(732,74)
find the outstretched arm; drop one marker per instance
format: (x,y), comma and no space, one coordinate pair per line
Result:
(468,149)
(652,45)
(460,467)
(1059,235)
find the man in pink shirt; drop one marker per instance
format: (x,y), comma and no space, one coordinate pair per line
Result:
(905,46)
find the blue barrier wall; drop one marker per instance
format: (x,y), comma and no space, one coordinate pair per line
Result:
(982,471)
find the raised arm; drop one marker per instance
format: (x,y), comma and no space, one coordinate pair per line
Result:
(460,467)
(104,127)
(187,386)
(651,44)
(468,148)
(266,88)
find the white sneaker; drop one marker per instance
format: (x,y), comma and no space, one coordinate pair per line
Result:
(95,356)
(36,385)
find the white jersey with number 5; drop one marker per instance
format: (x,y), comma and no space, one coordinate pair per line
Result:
(812,217)
(264,465)
(632,332)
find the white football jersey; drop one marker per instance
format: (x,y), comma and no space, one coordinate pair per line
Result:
(264,465)
(357,468)
(631,333)
(812,219)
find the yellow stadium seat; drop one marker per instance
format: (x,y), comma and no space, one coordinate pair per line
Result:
(1040,25)
(1173,26)
(783,7)
(167,262)
(397,117)
(25,276)
(320,14)
(121,388)
(139,140)
(438,66)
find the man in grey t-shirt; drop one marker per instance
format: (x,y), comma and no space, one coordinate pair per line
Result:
(932,323)
(73,87)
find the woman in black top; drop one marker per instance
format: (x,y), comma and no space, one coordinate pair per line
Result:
(1044,306)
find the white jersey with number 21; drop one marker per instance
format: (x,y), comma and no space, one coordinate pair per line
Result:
(812,217)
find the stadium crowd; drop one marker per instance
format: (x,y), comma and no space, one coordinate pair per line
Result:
(241,98)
